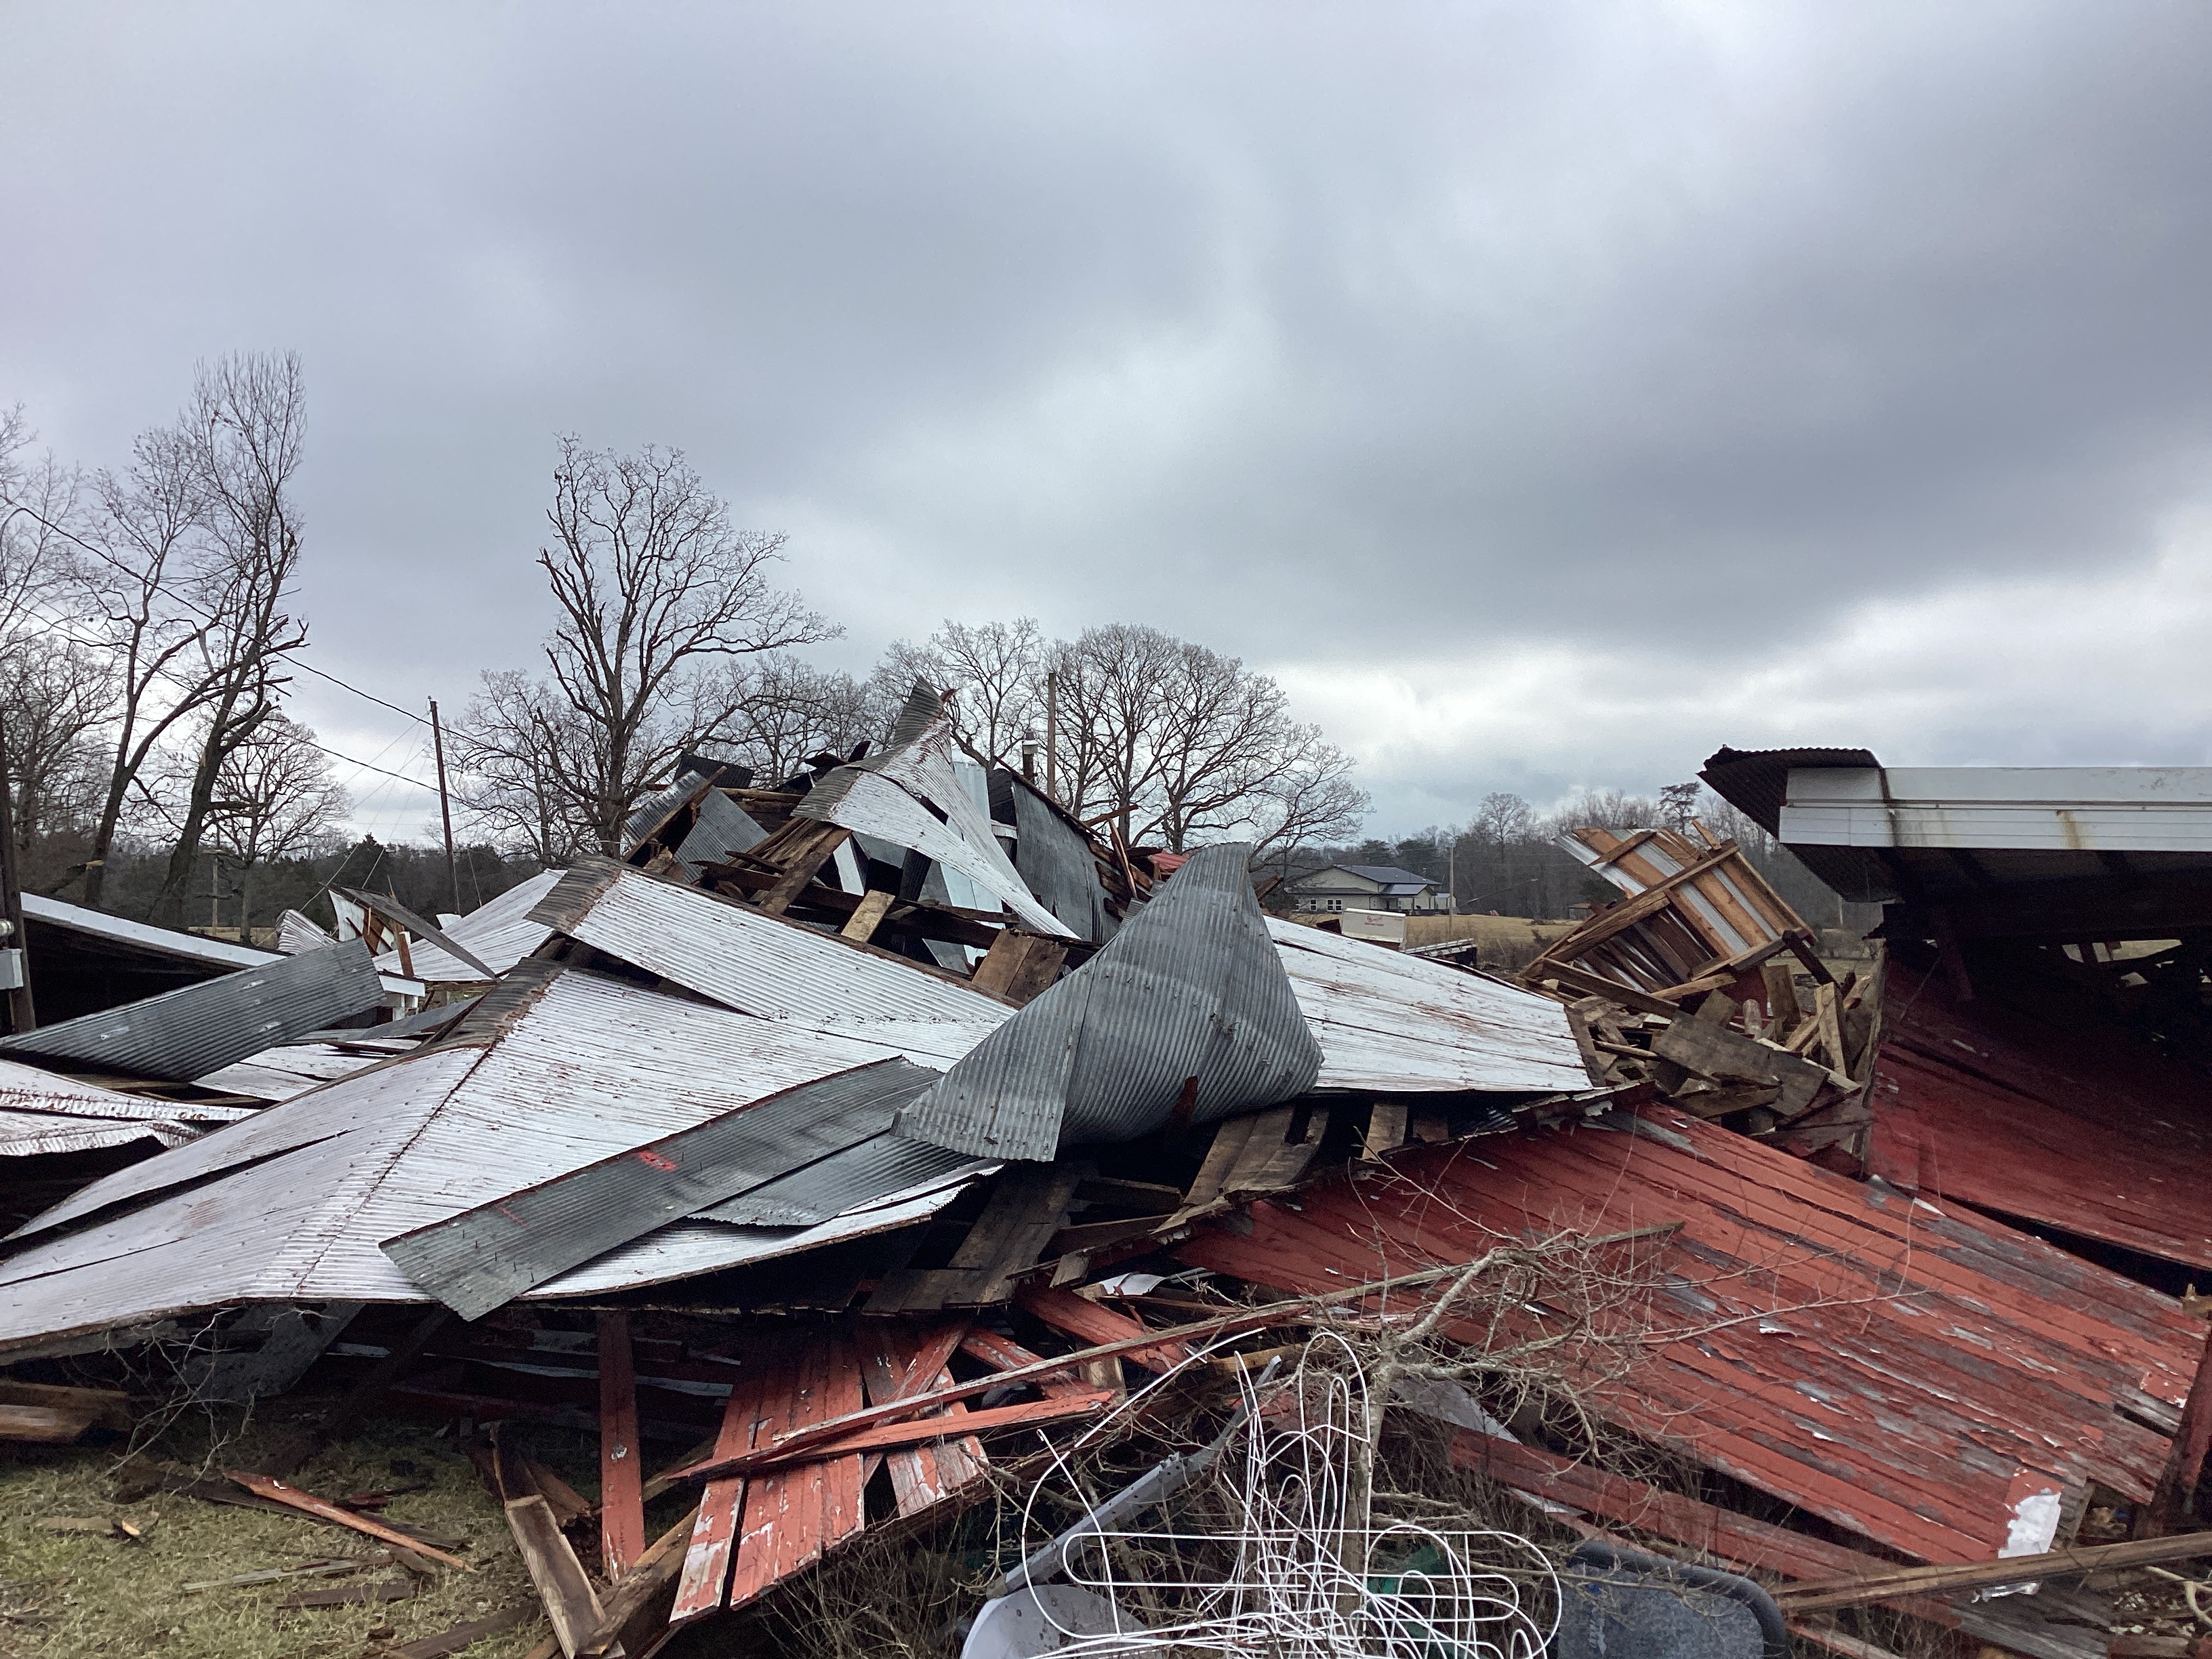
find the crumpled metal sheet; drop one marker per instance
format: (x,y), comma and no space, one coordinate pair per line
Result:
(1190,994)
(198,1028)
(722,828)
(1056,862)
(908,796)
(859,1174)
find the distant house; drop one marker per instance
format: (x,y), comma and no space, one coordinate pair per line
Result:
(1368,887)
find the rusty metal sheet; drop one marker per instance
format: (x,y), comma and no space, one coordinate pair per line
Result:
(2072,1123)
(1185,1009)
(1904,1370)
(1394,1022)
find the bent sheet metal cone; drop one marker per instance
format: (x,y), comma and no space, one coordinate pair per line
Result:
(1189,998)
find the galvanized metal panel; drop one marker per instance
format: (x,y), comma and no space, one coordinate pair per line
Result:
(1388,1021)
(342,1107)
(1056,862)
(302,1194)
(185,1033)
(778,970)
(867,803)
(289,1069)
(2094,809)
(165,941)
(31,1134)
(484,1257)
(1655,855)
(1190,991)
(685,1250)
(911,796)
(859,1174)
(723,827)
(28,1089)
(498,934)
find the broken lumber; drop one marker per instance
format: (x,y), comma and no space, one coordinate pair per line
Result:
(1977,1575)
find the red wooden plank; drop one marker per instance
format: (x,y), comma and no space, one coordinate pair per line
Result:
(1891,1367)
(958,1462)
(914,1431)
(1091,1324)
(842,1512)
(706,1576)
(751,1569)
(883,1373)
(622,1479)
(1003,1353)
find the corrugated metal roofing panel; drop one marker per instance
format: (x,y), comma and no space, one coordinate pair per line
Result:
(1056,862)
(867,803)
(289,1069)
(308,1189)
(166,941)
(483,1257)
(31,1135)
(188,1032)
(722,828)
(500,933)
(29,1089)
(860,1174)
(910,796)
(343,1107)
(1890,1366)
(1189,991)
(2050,809)
(777,970)
(685,1250)
(1388,1021)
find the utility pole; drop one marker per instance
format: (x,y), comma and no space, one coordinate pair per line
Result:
(14,958)
(1052,735)
(446,806)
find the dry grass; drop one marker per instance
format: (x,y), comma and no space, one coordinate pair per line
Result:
(63,1595)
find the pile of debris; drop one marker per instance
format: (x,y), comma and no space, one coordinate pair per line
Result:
(852,1153)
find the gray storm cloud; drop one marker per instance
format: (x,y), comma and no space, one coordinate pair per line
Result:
(1548,393)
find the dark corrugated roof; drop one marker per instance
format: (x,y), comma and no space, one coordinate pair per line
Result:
(187,1033)
(1756,782)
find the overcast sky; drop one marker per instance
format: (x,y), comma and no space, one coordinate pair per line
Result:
(1546,393)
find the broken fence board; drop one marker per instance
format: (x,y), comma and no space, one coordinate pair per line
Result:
(571,1605)
(622,1476)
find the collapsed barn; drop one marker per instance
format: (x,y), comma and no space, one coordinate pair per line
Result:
(852,1154)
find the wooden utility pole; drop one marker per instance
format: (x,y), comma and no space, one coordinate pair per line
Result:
(20,1016)
(1052,735)
(444,805)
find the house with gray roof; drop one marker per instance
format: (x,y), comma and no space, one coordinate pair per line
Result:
(1368,887)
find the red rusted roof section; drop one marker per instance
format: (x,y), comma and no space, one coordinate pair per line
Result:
(2066,1121)
(1897,1369)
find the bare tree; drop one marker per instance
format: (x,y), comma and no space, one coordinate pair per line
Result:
(242,438)
(655,586)
(275,798)
(1172,740)
(54,696)
(777,712)
(39,499)
(995,672)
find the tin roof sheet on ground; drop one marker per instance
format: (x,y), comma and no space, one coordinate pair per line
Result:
(1387,1021)
(1904,1370)
(303,1194)
(2071,1123)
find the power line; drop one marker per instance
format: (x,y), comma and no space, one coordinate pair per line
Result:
(292,661)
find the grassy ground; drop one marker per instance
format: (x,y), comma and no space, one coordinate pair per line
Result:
(1506,942)
(64,1594)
